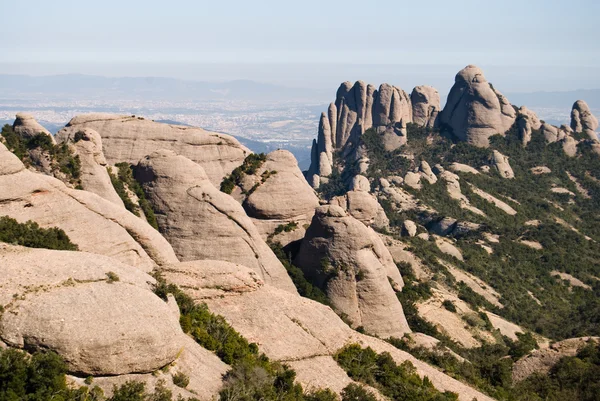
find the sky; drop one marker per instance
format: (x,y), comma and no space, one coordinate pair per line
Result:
(535,44)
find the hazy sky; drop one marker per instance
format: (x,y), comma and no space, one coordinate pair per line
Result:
(545,40)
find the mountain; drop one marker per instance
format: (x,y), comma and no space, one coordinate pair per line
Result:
(99,87)
(426,254)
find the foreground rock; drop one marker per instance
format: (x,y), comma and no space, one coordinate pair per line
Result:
(91,222)
(351,263)
(288,328)
(202,222)
(87,144)
(130,138)
(475,111)
(102,318)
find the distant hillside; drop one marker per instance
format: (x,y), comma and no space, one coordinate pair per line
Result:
(77,85)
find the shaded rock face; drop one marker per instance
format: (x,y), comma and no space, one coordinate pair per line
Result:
(357,108)
(93,223)
(527,122)
(582,120)
(352,264)
(425,106)
(475,110)
(202,222)
(26,126)
(129,139)
(94,177)
(288,328)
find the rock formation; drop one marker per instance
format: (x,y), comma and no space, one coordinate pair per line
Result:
(100,316)
(500,162)
(278,195)
(364,207)
(129,139)
(351,263)
(582,120)
(527,122)
(91,222)
(300,332)
(425,106)
(475,110)
(202,222)
(27,127)
(87,144)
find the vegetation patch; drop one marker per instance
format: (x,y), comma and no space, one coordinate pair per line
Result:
(251,164)
(31,235)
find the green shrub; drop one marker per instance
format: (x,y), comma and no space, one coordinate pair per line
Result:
(31,235)
(112,277)
(251,164)
(356,392)
(180,379)
(448,305)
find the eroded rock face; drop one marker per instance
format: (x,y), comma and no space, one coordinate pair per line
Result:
(93,223)
(582,120)
(27,126)
(475,110)
(129,139)
(87,144)
(527,122)
(351,263)
(202,222)
(425,106)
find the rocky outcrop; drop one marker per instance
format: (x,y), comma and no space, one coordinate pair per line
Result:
(87,144)
(101,317)
(293,330)
(582,120)
(349,261)
(202,222)
(99,327)
(527,122)
(359,107)
(475,110)
(129,139)
(542,360)
(278,195)
(27,127)
(364,207)
(91,222)
(425,106)
(500,162)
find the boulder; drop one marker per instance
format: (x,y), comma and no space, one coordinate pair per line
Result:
(67,302)
(130,138)
(413,180)
(409,227)
(582,120)
(360,183)
(27,127)
(426,173)
(280,190)
(425,106)
(202,222)
(475,110)
(550,132)
(351,263)
(87,144)
(116,233)
(500,162)
(463,168)
(364,207)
